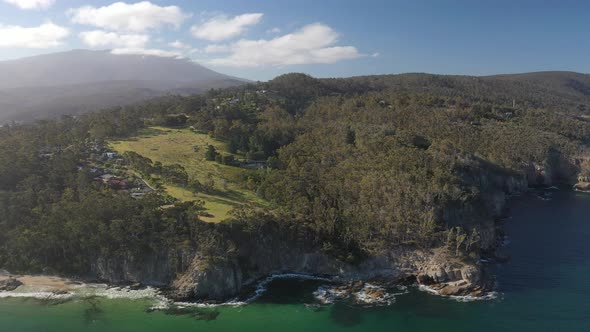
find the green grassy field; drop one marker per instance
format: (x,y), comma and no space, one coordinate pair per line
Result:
(187,148)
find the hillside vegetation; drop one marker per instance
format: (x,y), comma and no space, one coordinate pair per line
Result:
(358,166)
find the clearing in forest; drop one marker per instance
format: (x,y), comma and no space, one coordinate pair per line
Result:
(187,148)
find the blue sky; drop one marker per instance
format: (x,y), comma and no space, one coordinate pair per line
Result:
(325,38)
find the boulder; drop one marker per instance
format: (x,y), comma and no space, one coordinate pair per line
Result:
(208,282)
(9,284)
(61,291)
(375,293)
(357,286)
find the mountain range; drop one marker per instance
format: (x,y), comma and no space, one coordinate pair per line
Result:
(78,81)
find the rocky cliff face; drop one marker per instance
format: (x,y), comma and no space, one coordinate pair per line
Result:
(437,268)
(271,251)
(155,270)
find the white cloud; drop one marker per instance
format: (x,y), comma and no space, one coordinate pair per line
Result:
(143,51)
(273,30)
(217,49)
(31,4)
(178,44)
(137,17)
(222,27)
(376,55)
(99,38)
(314,43)
(44,36)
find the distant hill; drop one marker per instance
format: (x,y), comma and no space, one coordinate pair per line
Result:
(563,91)
(78,81)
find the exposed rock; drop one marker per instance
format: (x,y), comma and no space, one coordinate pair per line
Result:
(471,273)
(205,281)
(9,284)
(61,291)
(582,186)
(359,292)
(449,275)
(375,293)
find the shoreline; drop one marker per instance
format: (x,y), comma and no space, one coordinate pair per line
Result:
(48,282)
(363,293)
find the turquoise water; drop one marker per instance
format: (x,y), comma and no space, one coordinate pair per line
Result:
(544,287)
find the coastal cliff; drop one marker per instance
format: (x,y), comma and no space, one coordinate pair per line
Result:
(273,247)
(262,254)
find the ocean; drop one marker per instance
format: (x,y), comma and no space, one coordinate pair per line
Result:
(545,286)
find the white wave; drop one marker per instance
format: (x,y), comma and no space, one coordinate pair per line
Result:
(427,289)
(36,295)
(262,286)
(327,294)
(260,289)
(465,298)
(365,296)
(468,298)
(231,303)
(82,291)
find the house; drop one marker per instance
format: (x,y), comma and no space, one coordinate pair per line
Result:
(253,164)
(234,101)
(106,177)
(117,184)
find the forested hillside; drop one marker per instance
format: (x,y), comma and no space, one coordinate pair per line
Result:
(363,164)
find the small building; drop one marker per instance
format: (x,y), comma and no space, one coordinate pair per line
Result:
(46,155)
(110,155)
(137,195)
(96,170)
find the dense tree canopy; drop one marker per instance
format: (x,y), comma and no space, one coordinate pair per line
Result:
(365,163)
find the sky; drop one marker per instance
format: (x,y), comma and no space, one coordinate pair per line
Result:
(259,40)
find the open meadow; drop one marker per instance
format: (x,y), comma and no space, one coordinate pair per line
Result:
(187,148)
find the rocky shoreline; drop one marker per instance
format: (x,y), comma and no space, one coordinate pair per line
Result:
(582,187)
